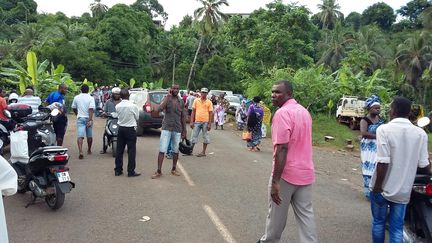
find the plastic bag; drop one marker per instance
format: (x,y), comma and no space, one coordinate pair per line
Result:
(19,147)
(247,136)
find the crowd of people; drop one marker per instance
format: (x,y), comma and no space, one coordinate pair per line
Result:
(391,153)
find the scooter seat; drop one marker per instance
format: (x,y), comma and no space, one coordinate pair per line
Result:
(43,149)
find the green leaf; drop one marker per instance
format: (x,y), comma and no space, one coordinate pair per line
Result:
(132,83)
(32,67)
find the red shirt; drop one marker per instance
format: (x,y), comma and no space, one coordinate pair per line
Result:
(3,106)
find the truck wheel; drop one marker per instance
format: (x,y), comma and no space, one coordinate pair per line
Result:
(339,119)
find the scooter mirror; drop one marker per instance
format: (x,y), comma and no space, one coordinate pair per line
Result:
(55,112)
(422,122)
(8,114)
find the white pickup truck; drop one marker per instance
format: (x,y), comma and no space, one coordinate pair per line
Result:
(350,110)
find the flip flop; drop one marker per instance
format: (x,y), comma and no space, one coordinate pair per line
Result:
(201,155)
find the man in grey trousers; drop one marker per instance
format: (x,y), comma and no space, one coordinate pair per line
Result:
(293,169)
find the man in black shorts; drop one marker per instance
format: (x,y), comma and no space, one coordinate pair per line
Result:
(60,122)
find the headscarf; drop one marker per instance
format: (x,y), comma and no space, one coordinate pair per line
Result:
(373,100)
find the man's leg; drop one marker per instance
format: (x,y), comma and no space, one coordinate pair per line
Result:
(195,134)
(206,138)
(397,215)
(277,214)
(121,143)
(303,211)
(175,140)
(80,144)
(131,144)
(89,133)
(379,207)
(163,147)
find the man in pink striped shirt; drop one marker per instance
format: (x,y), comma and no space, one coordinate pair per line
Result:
(293,170)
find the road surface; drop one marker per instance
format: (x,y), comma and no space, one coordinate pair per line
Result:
(218,198)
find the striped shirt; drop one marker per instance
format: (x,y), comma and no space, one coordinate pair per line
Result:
(32,101)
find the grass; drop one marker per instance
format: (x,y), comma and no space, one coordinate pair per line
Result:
(324,125)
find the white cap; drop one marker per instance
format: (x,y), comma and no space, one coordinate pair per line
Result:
(116,90)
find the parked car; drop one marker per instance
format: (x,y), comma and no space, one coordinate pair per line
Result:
(148,102)
(234,103)
(219,92)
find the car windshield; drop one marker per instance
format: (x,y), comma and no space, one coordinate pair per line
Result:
(233,99)
(157,97)
(136,98)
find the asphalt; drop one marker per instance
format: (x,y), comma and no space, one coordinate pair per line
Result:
(223,198)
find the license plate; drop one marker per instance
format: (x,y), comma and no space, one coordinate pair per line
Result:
(63,176)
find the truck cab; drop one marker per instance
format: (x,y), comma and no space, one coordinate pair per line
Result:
(350,110)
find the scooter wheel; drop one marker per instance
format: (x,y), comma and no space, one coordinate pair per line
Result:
(56,200)
(114,148)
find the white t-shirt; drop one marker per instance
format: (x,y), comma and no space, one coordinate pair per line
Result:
(404,147)
(83,102)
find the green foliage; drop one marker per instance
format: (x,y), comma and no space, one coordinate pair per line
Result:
(329,14)
(353,20)
(412,12)
(380,14)
(327,126)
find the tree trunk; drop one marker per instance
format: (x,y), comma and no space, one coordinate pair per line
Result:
(194,60)
(173,71)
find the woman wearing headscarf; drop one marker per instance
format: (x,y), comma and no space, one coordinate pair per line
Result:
(368,145)
(254,121)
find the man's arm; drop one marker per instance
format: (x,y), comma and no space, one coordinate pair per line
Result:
(90,120)
(383,160)
(210,120)
(280,161)
(183,123)
(192,120)
(381,172)
(164,103)
(424,163)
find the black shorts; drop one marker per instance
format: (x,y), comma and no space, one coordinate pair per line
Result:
(60,127)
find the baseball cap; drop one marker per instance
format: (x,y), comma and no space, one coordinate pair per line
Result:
(116,90)
(204,90)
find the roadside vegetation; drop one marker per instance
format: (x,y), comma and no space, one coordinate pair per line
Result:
(325,54)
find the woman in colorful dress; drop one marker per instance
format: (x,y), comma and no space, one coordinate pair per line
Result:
(368,144)
(254,122)
(241,116)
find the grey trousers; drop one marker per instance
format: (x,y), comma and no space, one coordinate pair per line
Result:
(300,197)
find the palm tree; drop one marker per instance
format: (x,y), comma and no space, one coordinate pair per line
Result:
(210,17)
(335,47)
(329,13)
(98,9)
(32,37)
(414,56)
(370,41)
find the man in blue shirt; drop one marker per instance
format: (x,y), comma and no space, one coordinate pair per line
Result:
(60,123)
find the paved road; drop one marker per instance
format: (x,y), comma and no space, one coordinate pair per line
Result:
(223,198)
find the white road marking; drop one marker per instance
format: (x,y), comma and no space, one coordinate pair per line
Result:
(185,174)
(219,225)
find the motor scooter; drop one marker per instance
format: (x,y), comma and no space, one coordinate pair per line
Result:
(111,133)
(418,214)
(45,173)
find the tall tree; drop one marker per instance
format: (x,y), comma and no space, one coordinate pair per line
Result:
(426,17)
(152,7)
(414,56)
(98,9)
(210,17)
(412,11)
(379,13)
(329,13)
(354,20)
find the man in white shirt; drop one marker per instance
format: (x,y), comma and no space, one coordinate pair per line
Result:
(402,149)
(128,115)
(30,99)
(8,186)
(83,106)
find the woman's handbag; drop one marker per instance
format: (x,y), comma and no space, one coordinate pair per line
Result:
(247,136)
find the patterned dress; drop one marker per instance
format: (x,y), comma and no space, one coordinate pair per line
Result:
(368,154)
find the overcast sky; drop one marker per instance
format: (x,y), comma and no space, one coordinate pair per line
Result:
(176,9)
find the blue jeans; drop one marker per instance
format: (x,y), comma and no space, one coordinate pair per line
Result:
(168,138)
(380,211)
(200,126)
(82,129)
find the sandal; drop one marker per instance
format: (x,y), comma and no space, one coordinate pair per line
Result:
(81,156)
(201,155)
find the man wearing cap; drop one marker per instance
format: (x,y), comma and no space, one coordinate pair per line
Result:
(110,107)
(201,120)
